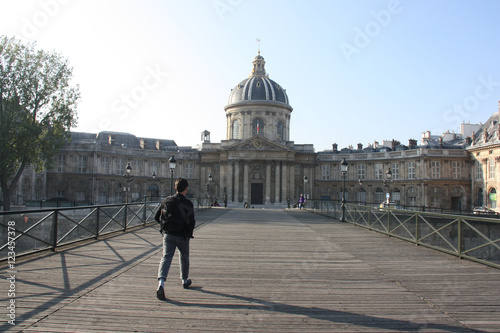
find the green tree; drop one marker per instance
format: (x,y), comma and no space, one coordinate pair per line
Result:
(37,110)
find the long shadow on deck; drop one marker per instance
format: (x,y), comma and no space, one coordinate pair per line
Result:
(333,316)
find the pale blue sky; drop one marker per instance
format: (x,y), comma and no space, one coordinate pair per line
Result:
(355,71)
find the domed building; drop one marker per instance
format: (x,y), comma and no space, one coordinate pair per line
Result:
(258,163)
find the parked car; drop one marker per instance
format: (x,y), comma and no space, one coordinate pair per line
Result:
(390,205)
(484,211)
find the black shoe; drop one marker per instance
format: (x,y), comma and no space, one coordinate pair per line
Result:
(160,293)
(187,284)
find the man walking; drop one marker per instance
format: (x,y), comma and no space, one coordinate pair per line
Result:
(176,215)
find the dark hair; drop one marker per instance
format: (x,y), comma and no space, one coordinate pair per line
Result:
(181,184)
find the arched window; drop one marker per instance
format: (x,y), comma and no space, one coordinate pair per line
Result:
(362,196)
(257,126)
(236,129)
(493,198)
(479,200)
(379,195)
(281,131)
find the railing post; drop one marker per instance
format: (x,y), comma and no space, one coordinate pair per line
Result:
(144,213)
(460,245)
(54,229)
(97,223)
(125,218)
(417,236)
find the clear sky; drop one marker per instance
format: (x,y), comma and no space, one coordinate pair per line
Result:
(354,71)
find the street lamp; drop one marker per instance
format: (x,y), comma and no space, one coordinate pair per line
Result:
(305,182)
(128,178)
(209,196)
(343,170)
(388,175)
(171,162)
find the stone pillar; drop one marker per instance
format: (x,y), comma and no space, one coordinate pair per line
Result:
(268,183)
(285,195)
(245,182)
(277,185)
(291,177)
(236,181)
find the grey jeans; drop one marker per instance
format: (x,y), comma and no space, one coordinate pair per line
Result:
(170,243)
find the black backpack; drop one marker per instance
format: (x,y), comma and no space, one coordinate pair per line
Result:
(173,218)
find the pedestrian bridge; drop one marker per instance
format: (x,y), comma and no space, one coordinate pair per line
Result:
(253,270)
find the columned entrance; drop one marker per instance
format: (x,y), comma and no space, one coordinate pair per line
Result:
(257,194)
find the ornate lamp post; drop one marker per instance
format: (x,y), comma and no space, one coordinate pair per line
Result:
(209,196)
(343,170)
(387,183)
(128,178)
(171,162)
(305,182)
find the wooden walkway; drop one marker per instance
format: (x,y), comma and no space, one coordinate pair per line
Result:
(256,271)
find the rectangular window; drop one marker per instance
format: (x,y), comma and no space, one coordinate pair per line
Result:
(189,170)
(120,166)
(325,172)
(395,170)
(412,201)
(379,171)
(456,169)
(80,196)
(154,167)
(102,197)
(361,171)
(82,164)
(479,170)
(435,169)
(411,170)
(61,162)
(492,168)
(105,165)
(137,166)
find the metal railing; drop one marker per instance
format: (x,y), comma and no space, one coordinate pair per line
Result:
(28,231)
(470,237)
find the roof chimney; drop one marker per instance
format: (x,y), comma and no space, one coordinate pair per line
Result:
(360,146)
(335,147)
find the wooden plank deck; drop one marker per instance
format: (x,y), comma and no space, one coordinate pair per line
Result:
(256,271)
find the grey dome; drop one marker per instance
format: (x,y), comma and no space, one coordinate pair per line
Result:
(258,87)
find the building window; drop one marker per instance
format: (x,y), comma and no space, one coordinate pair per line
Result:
(411,170)
(362,195)
(395,170)
(82,164)
(102,197)
(281,131)
(479,197)
(137,167)
(236,129)
(257,126)
(61,162)
(154,168)
(361,171)
(412,201)
(379,171)
(189,170)
(479,170)
(105,165)
(120,166)
(325,172)
(379,195)
(492,168)
(396,196)
(80,196)
(456,169)
(435,169)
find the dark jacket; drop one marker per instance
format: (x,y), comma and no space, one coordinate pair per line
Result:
(186,206)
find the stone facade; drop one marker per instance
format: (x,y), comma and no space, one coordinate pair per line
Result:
(260,165)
